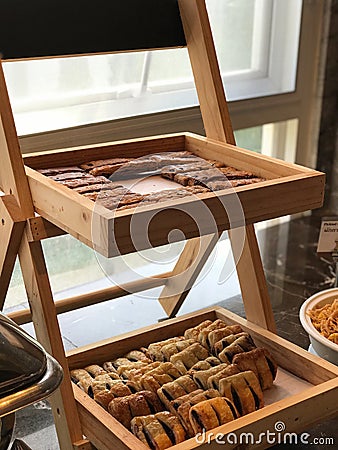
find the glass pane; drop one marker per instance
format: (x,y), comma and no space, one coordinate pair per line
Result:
(250,138)
(169,65)
(232,23)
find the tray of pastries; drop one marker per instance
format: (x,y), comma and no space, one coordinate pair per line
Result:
(211,374)
(96,192)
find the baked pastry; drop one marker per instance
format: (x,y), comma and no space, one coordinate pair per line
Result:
(198,177)
(185,359)
(229,339)
(192,333)
(259,361)
(119,197)
(103,162)
(201,377)
(234,174)
(78,374)
(203,335)
(158,431)
(108,366)
(241,344)
(244,390)
(175,404)
(218,334)
(69,176)
(154,349)
(163,373)
(172,194)
(118,389)
(153,163)
(211,414)
(181,386)
(138,404)
(174,169)
(58,170)
(213,380)
(94,370)
(210,361)
(124,369)
(137,355)
(175,347)
(183,409)
(218,185)
(101,382)
(135,374)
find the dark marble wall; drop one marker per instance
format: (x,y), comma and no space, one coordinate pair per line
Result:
(328,136)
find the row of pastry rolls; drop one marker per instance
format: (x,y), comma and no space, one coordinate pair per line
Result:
(212,374)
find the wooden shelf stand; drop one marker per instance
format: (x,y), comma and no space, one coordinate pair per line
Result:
(24,222)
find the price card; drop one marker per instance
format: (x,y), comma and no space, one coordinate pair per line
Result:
(328,235)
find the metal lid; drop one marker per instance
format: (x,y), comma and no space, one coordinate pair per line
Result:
(22,360)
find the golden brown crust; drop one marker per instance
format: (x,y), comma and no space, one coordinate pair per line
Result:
(203,335)
(136,426)
(201,377)
(172,426)
(192,333)
(137,355)
(213,380)
(125,408)
(79,374)
(185,359)
(138,405)
(223,343)
(242,390)
(154,349)
(119,409)
(153,401)
(261,363)
(94,370)
(225,411)
(203,417)
(155,433)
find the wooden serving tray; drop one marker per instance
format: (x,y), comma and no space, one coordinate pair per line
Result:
(305,390)
(288,189)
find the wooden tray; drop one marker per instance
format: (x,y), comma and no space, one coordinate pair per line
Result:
(305,390)
(288,189)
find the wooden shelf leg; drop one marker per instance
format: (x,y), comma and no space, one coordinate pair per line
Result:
(12,225)
(189,265)
(47,330)
(252,279)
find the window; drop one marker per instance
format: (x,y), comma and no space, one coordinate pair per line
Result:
(255,60)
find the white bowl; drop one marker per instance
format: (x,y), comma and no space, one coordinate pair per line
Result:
(321,345)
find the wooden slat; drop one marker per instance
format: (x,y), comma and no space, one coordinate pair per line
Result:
(12,174)
(92,298)
(87,27)
(47,330)
(12,225)
(129,148)
(191,261)
(40,228)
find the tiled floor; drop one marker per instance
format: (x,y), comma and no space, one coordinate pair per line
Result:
(294,271)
